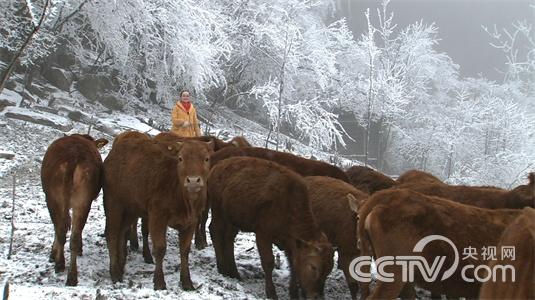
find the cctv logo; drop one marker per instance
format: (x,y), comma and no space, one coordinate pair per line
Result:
(408,264)
(429,272)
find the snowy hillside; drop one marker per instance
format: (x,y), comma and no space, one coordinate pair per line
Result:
(30,273)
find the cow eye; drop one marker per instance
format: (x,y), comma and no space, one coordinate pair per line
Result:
(180,159)
(207,159)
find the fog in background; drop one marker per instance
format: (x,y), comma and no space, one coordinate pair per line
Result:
(459,25)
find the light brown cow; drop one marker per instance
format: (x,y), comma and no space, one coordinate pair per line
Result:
(260,196)
(392,222)
(521,236)
(328,200)
(369,180)
(167,184)
(70,177)
(170,138)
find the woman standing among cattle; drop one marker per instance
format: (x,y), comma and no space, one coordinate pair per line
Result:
(184,117)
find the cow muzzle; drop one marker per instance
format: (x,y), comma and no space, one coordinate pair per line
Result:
(193,184)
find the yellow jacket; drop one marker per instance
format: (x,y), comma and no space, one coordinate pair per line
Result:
(180,116)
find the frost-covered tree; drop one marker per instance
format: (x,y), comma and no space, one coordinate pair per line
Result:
(518,45)
(288,59)
(395,71)
(153,44)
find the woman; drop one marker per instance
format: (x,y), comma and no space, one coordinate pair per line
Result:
(184,117)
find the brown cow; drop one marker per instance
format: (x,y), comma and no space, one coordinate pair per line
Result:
(301,165)
(200,233)
(70,176)
(260,196)
(170,137)
(143,179)
(328,200)
(417,177)
(392,222)
(368,180)
(485,197)
(520,235)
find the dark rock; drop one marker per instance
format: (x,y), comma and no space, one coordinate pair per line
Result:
(9,98)
(92,86)
(58,77)
(62,57)
(110,101)
(7,155)
(38,91)
(46,109)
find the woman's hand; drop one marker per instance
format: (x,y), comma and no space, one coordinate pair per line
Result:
(186,124)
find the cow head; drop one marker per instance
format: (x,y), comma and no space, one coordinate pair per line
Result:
(193,166)
(312,262)
(523,195)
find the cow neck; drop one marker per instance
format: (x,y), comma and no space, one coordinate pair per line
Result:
(303,226)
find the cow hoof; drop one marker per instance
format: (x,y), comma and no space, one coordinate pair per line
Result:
(159,286)
(72,281)
(148,260)
(201,245)
(58,268)
(188,287)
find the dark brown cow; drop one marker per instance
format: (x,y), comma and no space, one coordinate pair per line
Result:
(301,165)
(520,235)
(369,180)
(485,197)
(328,200)
(417,177)
(70,176)
(142,179)
(392,222)
(260,196)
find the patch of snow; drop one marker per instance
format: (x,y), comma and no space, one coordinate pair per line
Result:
(42,118)
(11,97)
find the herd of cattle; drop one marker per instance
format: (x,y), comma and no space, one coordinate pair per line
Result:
(307,208)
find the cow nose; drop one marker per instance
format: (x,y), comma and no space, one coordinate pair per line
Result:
(196,180)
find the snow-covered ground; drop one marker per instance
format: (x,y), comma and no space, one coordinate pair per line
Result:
(31,275)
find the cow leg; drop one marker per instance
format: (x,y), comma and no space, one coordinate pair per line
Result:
(185,237)
(230,258)
(59,217)
(114,216)
(133,238)
(158,233)
(79,217)
(263,242)
(147,256)
(220,232)
(343,262)
(294,288)
(200,233)
(126,225)
(389,290)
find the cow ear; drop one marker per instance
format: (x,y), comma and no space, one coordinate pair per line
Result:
(101,143)
(179,145)
(210,145)
(353,202)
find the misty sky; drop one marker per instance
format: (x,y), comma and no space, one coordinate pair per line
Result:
(459,26)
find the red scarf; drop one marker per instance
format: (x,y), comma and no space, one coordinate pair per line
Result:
(186,105)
